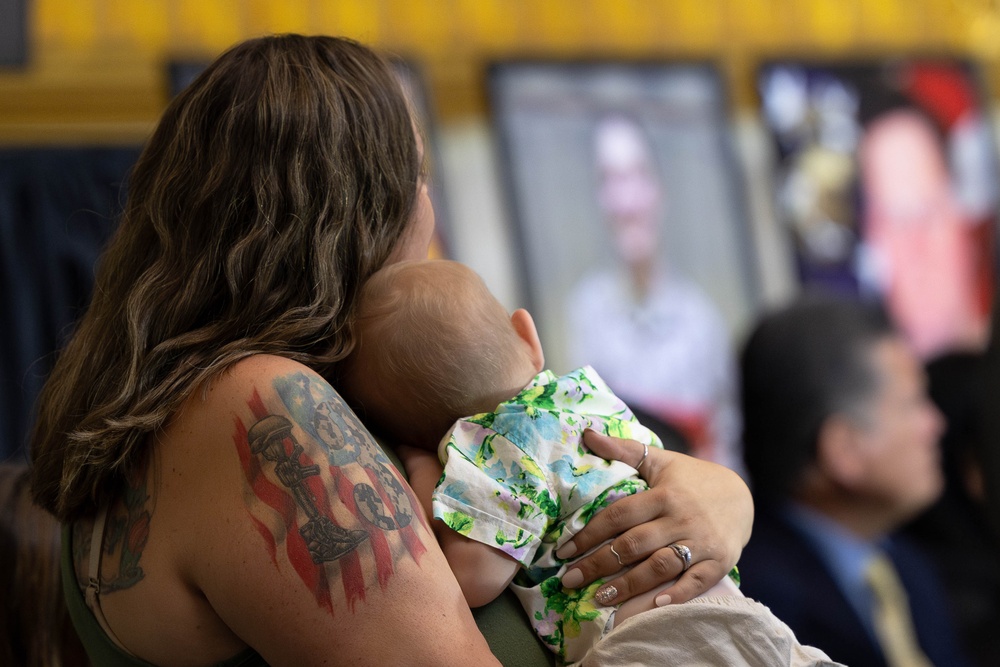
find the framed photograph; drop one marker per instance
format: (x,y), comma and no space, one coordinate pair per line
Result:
(416,90)
(13,33)
(633,247)
(887,188)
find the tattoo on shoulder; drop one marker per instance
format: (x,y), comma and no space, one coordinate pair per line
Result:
(322,493)
(125,535)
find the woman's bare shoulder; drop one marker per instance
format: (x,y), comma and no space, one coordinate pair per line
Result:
(265,363)
(254,376)
(255,369)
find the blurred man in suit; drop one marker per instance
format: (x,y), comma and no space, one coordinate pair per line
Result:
(841,447)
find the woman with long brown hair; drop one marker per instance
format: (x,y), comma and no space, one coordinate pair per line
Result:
(220,502)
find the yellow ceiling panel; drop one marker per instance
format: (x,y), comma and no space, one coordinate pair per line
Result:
(893,24)
(629,26)
(758,23)
(267,16)
(831,24)
(554,26)
(419,27)
(206,25)
(358,20)
(489,25)
(143,25)
(66,25)
(696,24)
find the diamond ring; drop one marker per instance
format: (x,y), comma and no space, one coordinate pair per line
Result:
(683,552)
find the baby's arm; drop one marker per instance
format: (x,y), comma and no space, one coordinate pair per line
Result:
(482,571)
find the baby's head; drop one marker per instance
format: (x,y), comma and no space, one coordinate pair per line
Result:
(433,345)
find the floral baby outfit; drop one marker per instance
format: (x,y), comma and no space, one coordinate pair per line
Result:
(520,480)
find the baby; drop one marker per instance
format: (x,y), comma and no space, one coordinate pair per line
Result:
(440,366)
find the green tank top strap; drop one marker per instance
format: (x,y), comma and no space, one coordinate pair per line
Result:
(101,650)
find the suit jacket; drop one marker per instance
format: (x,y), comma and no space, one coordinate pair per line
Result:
(782,570)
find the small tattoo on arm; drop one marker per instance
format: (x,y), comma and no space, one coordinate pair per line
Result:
(126,535)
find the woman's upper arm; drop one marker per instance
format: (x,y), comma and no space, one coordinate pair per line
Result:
(310,547)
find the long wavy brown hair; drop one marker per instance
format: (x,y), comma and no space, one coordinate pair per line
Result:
(273,186)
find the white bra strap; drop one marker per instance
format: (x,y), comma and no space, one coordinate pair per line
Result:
(93,590)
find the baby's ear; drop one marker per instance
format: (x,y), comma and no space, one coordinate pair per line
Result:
(524,325)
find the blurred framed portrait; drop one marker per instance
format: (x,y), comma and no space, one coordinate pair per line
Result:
(634,252)
(887,188)
(13,33)
(416,90)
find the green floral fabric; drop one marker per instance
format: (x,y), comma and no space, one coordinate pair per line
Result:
(520,480)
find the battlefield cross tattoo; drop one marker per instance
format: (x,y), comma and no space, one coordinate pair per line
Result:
(325,540)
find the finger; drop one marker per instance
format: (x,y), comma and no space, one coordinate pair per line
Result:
(603,562)
(660,567)
(699,572)
(664,565)
(628,514)
(607,447)
(692,583)
(632,549)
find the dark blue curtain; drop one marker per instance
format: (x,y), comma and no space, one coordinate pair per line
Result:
(58,207)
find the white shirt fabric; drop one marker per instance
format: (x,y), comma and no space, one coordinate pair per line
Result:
(732,631)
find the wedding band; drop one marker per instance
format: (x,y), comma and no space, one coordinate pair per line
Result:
(645,453)
(617,556)
(683,552)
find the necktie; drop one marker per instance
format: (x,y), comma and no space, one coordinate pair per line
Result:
(893,623)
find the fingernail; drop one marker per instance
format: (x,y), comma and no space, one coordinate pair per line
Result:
(606,595)
(566,550)
(573,578)
(662,600)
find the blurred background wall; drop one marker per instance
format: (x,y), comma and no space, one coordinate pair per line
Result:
(96,71)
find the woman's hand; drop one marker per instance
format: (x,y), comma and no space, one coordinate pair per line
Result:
(696,504)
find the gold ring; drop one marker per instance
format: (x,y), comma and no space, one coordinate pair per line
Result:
(645,453)
(617,556)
